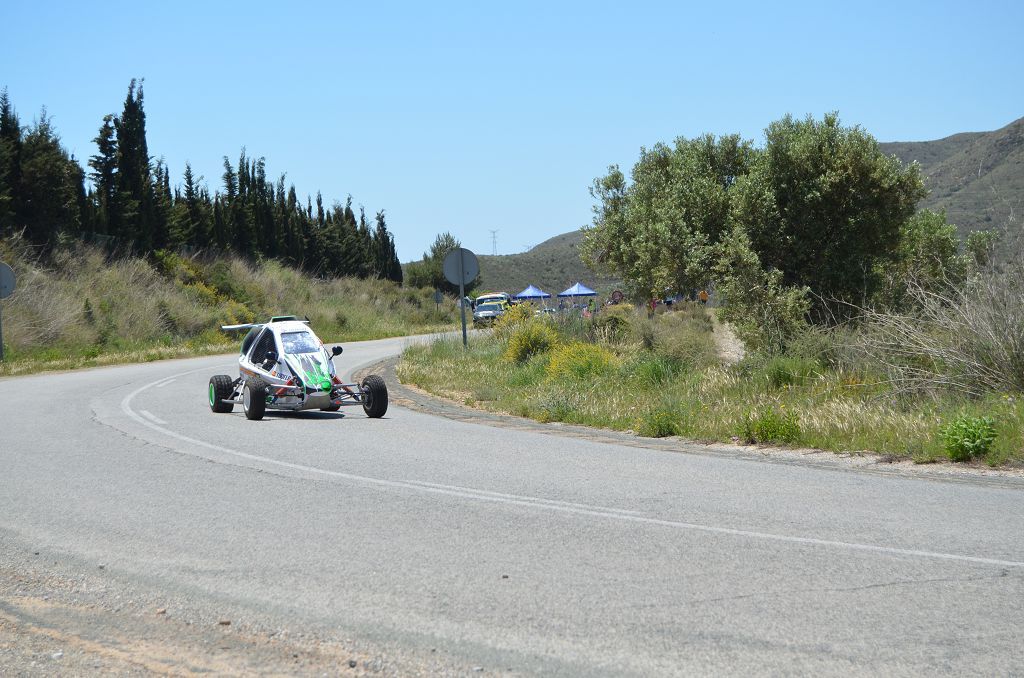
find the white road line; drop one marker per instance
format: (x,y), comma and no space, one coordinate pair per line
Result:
(165,382)
(152,417)
(550,504)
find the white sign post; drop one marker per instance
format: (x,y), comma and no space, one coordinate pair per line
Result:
(460,268)
(7,284)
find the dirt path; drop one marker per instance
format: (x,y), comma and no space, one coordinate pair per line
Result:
(730,348)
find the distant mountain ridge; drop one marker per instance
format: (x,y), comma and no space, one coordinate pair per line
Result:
(553,266)
(978,177)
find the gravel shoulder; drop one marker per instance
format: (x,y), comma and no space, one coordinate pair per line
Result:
(56,619)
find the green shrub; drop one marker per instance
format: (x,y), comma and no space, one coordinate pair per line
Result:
(652,369)
(201,292)
(782,371)
(513,318)
(579,360)
(658,424)
(609,326)
(642,331)
(771,426)
(967,437)
(529,339)
(686,344)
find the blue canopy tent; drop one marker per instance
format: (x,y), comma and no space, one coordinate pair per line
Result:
(578,290)
(532,292)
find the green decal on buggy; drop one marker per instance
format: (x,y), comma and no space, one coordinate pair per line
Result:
(312,372)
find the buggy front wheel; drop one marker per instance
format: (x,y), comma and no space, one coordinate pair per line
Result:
(221,390)
(254,398)
(375,396)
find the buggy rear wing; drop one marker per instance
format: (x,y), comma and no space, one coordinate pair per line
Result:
(274,319)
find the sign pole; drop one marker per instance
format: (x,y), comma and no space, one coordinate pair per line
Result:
(1,335)
(462,297)
(460,266)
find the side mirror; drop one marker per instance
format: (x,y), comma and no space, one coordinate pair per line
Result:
(336,350)
(271,357)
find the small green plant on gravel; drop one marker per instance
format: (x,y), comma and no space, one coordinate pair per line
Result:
(529,339)
(968,437)
(770,425)
(579,360)
(658,424)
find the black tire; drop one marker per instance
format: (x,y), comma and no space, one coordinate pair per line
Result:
(221,388)
(254,398)
(375,396)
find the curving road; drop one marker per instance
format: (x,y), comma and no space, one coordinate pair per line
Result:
(446,546)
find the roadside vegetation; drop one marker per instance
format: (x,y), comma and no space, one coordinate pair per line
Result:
(662,376)
(79,306)
(868,325)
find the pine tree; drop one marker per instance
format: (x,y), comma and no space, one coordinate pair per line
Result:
(104,178)
(51,183)
(186,218)
(163,204)
(10,166)
(133,171)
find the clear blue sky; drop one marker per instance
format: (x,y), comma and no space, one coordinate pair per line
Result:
(469,117)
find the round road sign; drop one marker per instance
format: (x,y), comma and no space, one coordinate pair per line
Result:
(461,266)
(7,281)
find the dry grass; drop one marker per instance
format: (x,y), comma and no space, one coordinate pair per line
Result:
(967,338)
(82,308)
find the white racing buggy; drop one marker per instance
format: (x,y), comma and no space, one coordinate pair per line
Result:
(283,365)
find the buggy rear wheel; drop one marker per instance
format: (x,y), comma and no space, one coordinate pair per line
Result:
(375,396)
(221,388)
(254,398)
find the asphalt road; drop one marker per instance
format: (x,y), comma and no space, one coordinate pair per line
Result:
(500,549)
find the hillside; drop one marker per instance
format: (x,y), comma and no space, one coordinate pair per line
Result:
(978,177)
(552,266)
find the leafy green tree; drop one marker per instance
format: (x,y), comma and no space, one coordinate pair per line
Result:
(765,311)
(980,246)
(823,205)
(661,231)
(429,272)
(927,256)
